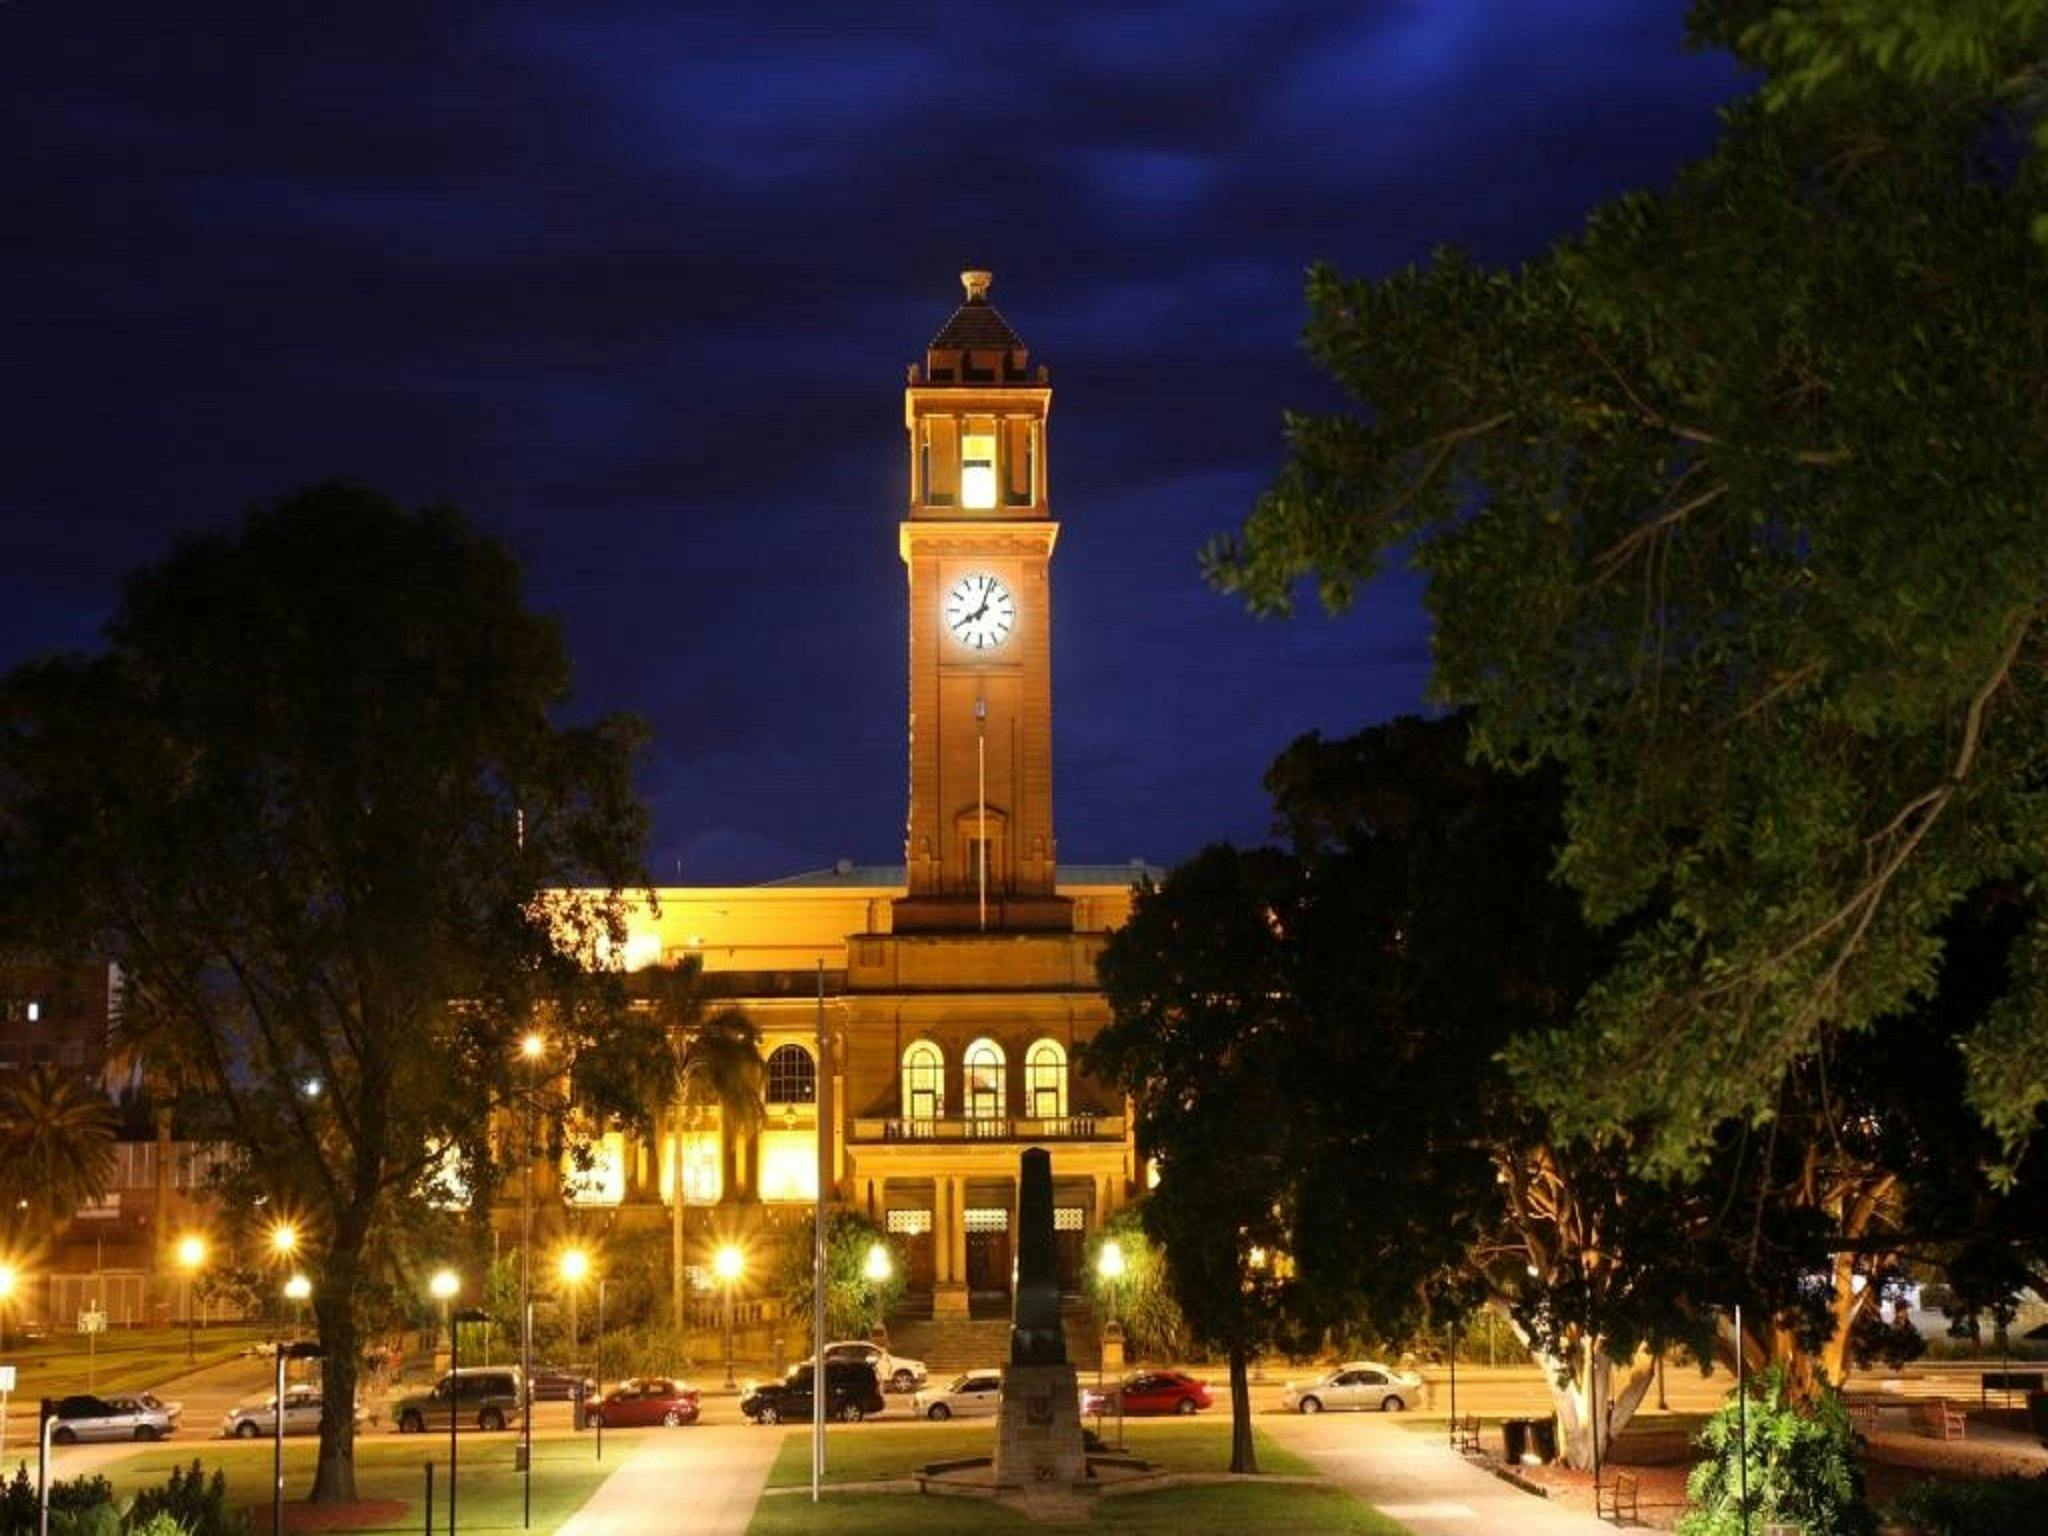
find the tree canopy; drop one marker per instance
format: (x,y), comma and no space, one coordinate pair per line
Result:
(307,796)
(1729,505)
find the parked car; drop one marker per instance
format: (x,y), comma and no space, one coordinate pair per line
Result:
(646,1400)
(558,1383)
(896,1373)
(1356,1384)
(255,1416)
(128,1416)
(852,1392)
(1150,1392)
(971,1394)
(480,1397)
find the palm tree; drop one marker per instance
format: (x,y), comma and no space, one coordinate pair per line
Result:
(56,1144)
(717,1065)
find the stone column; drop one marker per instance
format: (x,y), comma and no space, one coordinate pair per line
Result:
(949,1243)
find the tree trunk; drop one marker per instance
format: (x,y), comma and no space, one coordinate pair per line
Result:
(675,1242)
(1244,1456)
(1573,1393)
(334,1310)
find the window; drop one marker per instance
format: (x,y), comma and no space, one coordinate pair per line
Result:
(1045,1080)
(792,1076)
(984,1081)
(978,470)
(924,1082)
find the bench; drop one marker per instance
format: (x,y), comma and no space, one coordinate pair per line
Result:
(2008,1381)
(1937,1418)
(1616,1501)
(1465,1434)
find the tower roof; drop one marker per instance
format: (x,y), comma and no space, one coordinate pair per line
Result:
(976,323)
(977,346)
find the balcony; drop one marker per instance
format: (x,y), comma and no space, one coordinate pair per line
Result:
(1064,1128)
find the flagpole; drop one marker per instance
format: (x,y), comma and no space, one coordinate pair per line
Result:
(818,1373)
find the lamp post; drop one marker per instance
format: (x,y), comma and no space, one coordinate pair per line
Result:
(10,1277)
(296,1290)
(877,1270)
(531,1046)
(600,1367)
(1109,1265)
(284,1243)
(191,1255)
(444,1284)
(728,1263)
(572,1266)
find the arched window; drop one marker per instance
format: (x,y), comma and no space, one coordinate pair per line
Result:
(924,1082)
(983,1080)
(1045,1080)
(792,1076)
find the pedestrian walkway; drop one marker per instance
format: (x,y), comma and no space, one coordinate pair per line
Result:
(1420,1481)
(704,1480)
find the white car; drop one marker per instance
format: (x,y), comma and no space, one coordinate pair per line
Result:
(973,1394)
(1356,1384)
(896,1373)
(258,1416)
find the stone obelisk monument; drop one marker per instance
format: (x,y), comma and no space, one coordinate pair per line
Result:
(1039,1452)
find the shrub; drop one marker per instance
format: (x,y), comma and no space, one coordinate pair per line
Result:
(1986,1507)
(198,1504)
(1801,1467)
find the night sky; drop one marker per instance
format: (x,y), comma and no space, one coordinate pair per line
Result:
(635,284)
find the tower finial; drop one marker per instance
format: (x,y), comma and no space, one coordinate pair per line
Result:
(976,282)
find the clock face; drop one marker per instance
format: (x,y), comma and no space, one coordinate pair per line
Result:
(980,611)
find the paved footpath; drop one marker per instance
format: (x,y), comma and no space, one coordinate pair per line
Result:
(1420,1481)
(704,1480)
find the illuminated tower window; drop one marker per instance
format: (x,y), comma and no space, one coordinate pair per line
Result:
(978,470)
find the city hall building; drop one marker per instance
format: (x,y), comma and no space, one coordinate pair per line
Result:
(950,993)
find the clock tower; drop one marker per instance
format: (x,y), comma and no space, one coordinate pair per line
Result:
(977,541)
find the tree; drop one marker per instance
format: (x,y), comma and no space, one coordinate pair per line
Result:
(56,1147)
(1203,1019)
(1729,506)
(854,1304)
(307,795)
(714,1062)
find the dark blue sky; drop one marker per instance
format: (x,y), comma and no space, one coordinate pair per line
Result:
(635,285)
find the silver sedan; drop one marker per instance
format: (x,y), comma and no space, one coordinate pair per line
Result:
(1356,1384)
(131,1416)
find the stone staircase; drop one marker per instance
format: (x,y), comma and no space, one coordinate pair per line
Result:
(950,1345)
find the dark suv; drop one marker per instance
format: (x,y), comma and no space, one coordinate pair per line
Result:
(852,1392)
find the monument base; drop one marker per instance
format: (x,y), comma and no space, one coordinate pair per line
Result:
(1039,1451)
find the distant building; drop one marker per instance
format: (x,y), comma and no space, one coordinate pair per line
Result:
(57,1015)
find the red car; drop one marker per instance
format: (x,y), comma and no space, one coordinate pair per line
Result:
(1150,1392)
(646,1400)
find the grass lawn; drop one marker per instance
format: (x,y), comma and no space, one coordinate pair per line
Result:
(565,1475)
(123,1361)
(857,1453)
(1298,1510)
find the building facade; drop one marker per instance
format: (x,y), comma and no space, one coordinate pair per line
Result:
(927,1015)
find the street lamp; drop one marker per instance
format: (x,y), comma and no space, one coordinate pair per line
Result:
(531,1048)
(296,1290)
(729,1262)
(10,1277)
(877,1270)
(284,1242)
(574,1267)
(443,1286)
(191,1255)
(1109,1264)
